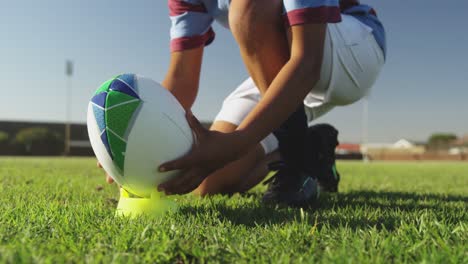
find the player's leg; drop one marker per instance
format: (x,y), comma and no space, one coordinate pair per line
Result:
(351,64)
(258,27)
(356,60)
(253,24)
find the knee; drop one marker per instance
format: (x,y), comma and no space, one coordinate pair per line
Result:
(250,19)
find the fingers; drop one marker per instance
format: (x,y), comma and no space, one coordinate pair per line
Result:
(192,181)
(195,180)
(109,179)
(194,155)
(172,186)
(183,184)
(181,163)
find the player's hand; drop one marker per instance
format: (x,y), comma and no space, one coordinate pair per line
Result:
(108,177)
(211,151)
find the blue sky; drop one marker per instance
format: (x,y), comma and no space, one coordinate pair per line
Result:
(422,89)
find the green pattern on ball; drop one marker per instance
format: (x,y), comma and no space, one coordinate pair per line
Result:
(118,118)
(120,110)
(118,147)
(104,87)
(114,98)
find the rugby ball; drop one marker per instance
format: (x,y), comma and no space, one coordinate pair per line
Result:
(134,125)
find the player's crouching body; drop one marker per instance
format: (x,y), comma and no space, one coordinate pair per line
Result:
(327,52)
(352,60)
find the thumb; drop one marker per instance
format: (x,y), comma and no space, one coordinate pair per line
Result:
(181,163)
(198,129)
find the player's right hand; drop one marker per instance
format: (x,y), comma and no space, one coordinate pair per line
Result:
(108,177)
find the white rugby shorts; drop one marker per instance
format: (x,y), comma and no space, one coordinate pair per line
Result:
(351,64)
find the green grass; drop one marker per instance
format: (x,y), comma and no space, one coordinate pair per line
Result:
(55,210)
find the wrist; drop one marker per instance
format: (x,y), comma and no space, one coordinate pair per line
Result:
(244,139)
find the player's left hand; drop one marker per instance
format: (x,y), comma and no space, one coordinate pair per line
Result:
(211,151)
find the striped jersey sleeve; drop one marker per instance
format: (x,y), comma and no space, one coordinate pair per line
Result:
(190,25)
(298,12)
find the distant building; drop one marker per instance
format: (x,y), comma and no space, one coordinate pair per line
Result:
(462,141)
(402,148)
(348,148)
(459,147)
(458,151)
(403,144)
(349,151)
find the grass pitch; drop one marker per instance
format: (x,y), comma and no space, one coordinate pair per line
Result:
(60,210)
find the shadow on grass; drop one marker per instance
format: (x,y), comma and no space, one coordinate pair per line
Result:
(402,201)
(356,214)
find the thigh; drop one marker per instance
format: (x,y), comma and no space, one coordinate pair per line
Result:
(254,23)
(236,107)
(357,61)
(239,103)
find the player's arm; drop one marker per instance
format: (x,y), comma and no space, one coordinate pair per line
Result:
(190,32)
(283,90)
(183,76)
(286,92)
(290,86)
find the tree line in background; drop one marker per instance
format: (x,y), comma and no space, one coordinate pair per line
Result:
(444,141)
(41,140)
(36,140)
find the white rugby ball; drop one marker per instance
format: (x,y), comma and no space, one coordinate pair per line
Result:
(134,125)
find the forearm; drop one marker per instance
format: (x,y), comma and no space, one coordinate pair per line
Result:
(183,76)
(284,95)
(175,85)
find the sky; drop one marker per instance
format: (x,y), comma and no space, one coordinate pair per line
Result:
(422,89)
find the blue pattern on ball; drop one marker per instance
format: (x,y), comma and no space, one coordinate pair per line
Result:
(100,99)
(99,115)
(123,87)
(129,79)
(106,143)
